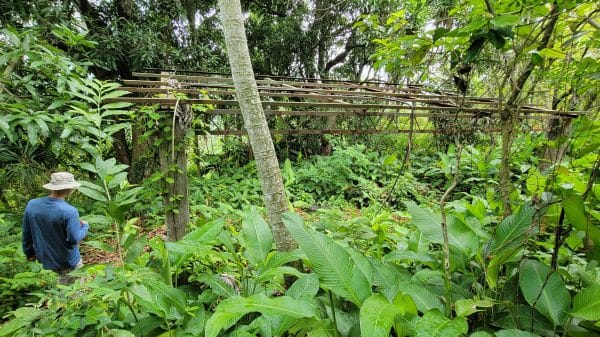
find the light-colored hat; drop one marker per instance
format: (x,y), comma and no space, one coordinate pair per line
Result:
(62,181)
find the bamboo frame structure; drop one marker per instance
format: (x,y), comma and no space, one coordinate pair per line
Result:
(282,96)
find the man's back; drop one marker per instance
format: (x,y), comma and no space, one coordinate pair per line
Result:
(51,231)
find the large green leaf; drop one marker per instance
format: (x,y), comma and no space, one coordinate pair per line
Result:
(305,288)
(575,213)
(169,301)
(144,326)
(470,306)
(336,269)
(459,235)
(232,309)
(377,316)
(387,278)
(512,232)
(510,237)
(362,263)
(435,324)
(506,20)
(23,318)
(544,290)
(515,333)
(207,232)
(427,222)
(586,304)
(93,191)
(423,297)
(257,236)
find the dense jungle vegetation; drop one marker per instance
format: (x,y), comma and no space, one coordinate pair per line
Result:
(481,234)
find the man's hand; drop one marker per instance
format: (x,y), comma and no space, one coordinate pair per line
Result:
(31,258)
(83,222)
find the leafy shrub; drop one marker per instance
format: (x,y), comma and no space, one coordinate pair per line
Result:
(237,187)
(20,279)
(353,176)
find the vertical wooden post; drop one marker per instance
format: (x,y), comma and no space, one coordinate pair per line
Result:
(173,165)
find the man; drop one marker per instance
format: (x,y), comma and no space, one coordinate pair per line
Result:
(52,228)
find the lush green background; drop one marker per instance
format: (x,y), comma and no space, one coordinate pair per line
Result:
(373,259)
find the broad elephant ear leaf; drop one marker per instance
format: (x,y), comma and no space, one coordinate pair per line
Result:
(435,324)
(377,316)
(257,236)
(460,236)
(544,290)
(336,269)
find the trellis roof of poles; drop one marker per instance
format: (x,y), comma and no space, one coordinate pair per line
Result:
(285,96)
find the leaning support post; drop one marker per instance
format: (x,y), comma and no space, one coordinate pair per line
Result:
(173,165)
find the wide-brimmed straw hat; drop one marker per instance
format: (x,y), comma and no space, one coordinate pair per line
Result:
(62,181)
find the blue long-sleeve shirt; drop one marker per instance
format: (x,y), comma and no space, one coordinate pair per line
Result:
(52,231)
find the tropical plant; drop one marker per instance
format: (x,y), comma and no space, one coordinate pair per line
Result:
(114,196)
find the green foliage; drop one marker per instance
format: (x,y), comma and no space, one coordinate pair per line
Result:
(509,238)
(232,309)
(229,188)
(336,269)
(586,303)
(351,175)
(433,323)
(113,198)
(257,237)
(164,291)
(377,315)
(544,290)
(51,114)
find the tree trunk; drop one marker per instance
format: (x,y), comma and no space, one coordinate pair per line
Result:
(173,164)
(557,127)
(510,112)
(255,121)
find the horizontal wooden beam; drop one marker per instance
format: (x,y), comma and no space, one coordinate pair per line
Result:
(330,105)
(154,71)
(351,132)
(310,86)
(338,113)
(323,84)
(323,94)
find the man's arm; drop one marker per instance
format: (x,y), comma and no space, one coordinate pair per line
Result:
(27,238)
(76,229)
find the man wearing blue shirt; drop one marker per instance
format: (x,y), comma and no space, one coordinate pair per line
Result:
(52,228)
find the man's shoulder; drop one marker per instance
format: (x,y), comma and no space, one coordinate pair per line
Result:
(67,208)
(36,201)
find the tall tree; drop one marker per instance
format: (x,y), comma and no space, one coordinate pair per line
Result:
(255,121)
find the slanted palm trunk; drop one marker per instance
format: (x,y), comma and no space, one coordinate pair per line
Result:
(255,121)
